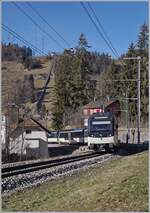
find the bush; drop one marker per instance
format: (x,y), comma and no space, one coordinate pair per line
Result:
(31,63)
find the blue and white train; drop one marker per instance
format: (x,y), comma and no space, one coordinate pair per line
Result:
(70,136)
(102,131)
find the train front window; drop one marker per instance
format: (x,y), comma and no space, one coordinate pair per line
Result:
(100,125)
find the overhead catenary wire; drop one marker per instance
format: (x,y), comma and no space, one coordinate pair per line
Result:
(97,28)
(102,28)
(108,42)
(33,48)
(36,24)
(21,39)
(16,35)
(50,26)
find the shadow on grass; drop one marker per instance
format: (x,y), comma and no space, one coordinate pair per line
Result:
(63,150)
(129,149)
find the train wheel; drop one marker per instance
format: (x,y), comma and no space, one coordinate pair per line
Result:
(91,146)
(107,148)
(115,148)
(95,147)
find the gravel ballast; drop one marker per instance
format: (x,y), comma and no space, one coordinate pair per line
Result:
(19,182)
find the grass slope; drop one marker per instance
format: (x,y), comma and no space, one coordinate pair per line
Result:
(13,71)
(120,185)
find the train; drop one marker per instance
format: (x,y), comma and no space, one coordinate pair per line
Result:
(70,136)
(100,134)
(102,131)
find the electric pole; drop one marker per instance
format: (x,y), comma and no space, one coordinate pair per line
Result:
(138,94)
(139,98)
(127,116)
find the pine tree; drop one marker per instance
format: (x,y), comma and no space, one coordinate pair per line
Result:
(141,49)
(128,86)
(82,43)
(83,56)
(62,88)
(71,82)
(143,52)
(143,38)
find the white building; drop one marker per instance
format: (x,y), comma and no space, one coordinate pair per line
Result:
(3,131)
(29,140)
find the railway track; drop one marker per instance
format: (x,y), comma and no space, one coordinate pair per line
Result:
(31,167)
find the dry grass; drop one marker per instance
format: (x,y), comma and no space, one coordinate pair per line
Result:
(120,185)
(13,71)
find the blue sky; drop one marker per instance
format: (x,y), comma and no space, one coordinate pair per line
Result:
(121,21)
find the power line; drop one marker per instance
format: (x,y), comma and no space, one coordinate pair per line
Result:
(109,44)
(16,35)
(35,23)
(21,39)
(99,32)
(101,26)
(108,39)
(50,26)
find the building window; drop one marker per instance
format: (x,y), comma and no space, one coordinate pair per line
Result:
(28,131)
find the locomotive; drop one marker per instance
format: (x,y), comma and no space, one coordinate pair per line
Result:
(102,131)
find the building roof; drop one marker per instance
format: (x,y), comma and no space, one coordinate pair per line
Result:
(30,124)
(100,103)
(109,102)
(93,104)
(24,125)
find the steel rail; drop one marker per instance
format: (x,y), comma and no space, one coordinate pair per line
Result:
(22,169)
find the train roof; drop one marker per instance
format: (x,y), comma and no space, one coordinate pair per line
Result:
(102,114)
(67,130)
(72,130)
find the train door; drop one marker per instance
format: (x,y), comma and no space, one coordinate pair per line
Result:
(115,131)
(69,138)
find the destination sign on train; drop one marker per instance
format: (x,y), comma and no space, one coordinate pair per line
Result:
(101,122)
(100,117)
